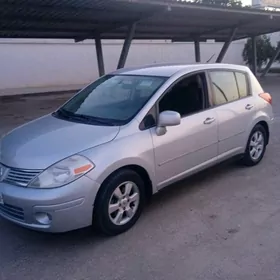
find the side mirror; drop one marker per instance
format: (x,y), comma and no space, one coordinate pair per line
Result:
(167,118)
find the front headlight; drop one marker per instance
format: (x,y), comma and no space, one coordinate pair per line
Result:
(62,173)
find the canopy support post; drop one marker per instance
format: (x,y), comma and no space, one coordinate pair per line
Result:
(99,54)
(254,54)
(126,46)
(226,46)
(272,59)
(197,50)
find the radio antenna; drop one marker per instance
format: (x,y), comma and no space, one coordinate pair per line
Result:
(210,58)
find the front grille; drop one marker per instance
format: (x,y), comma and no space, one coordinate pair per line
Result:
(20,177)
(12,211)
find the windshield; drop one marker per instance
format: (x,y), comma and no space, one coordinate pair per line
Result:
(112,99)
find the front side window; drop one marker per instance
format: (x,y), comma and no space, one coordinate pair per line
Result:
(224,87)
(186,97)
(112,99)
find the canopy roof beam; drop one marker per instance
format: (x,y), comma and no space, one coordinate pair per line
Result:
(156,19)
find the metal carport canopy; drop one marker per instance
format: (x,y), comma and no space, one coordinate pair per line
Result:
(109,19)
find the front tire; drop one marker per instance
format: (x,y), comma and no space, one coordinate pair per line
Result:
(256,146)
(120,202)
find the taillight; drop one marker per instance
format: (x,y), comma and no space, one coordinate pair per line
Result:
(266,96)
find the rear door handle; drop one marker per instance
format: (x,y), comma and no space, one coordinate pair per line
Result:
(249,106)
(209,120)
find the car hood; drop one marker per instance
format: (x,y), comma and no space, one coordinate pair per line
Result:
(45,141)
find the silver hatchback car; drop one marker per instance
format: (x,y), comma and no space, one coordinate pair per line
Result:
(100,156)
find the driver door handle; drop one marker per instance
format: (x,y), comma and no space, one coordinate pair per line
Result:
(209,120)
(249,106)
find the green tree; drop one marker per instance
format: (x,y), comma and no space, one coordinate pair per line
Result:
(264,51)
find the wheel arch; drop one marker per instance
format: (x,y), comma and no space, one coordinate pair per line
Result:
(260,119)
(141,171)
(264,124)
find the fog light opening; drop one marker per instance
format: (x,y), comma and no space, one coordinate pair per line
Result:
(43,218)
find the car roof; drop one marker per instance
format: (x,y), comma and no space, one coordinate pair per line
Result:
(168,70)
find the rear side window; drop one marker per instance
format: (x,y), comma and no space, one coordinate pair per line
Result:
(224,87)
(242,84)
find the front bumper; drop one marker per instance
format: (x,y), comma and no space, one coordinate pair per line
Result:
(52,210)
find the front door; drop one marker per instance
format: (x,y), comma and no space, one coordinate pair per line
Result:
(194,142)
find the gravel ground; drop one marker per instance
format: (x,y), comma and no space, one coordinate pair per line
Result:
(223,223)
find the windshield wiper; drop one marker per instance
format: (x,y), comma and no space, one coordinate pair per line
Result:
(70,116)
(63,113)
(92,119)
(84,118)
(87,119)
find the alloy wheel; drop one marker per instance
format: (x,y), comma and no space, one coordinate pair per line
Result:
(256,145)
(124,203)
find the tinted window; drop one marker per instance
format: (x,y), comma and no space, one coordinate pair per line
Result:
(224,87)
(116,98)
(185,97)
(242,84)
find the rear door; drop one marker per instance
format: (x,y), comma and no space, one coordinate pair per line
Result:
(235,107)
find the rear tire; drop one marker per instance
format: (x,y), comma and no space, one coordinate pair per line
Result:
(120,202)
(256,146)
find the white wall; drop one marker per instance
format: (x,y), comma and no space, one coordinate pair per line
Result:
(40,65)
